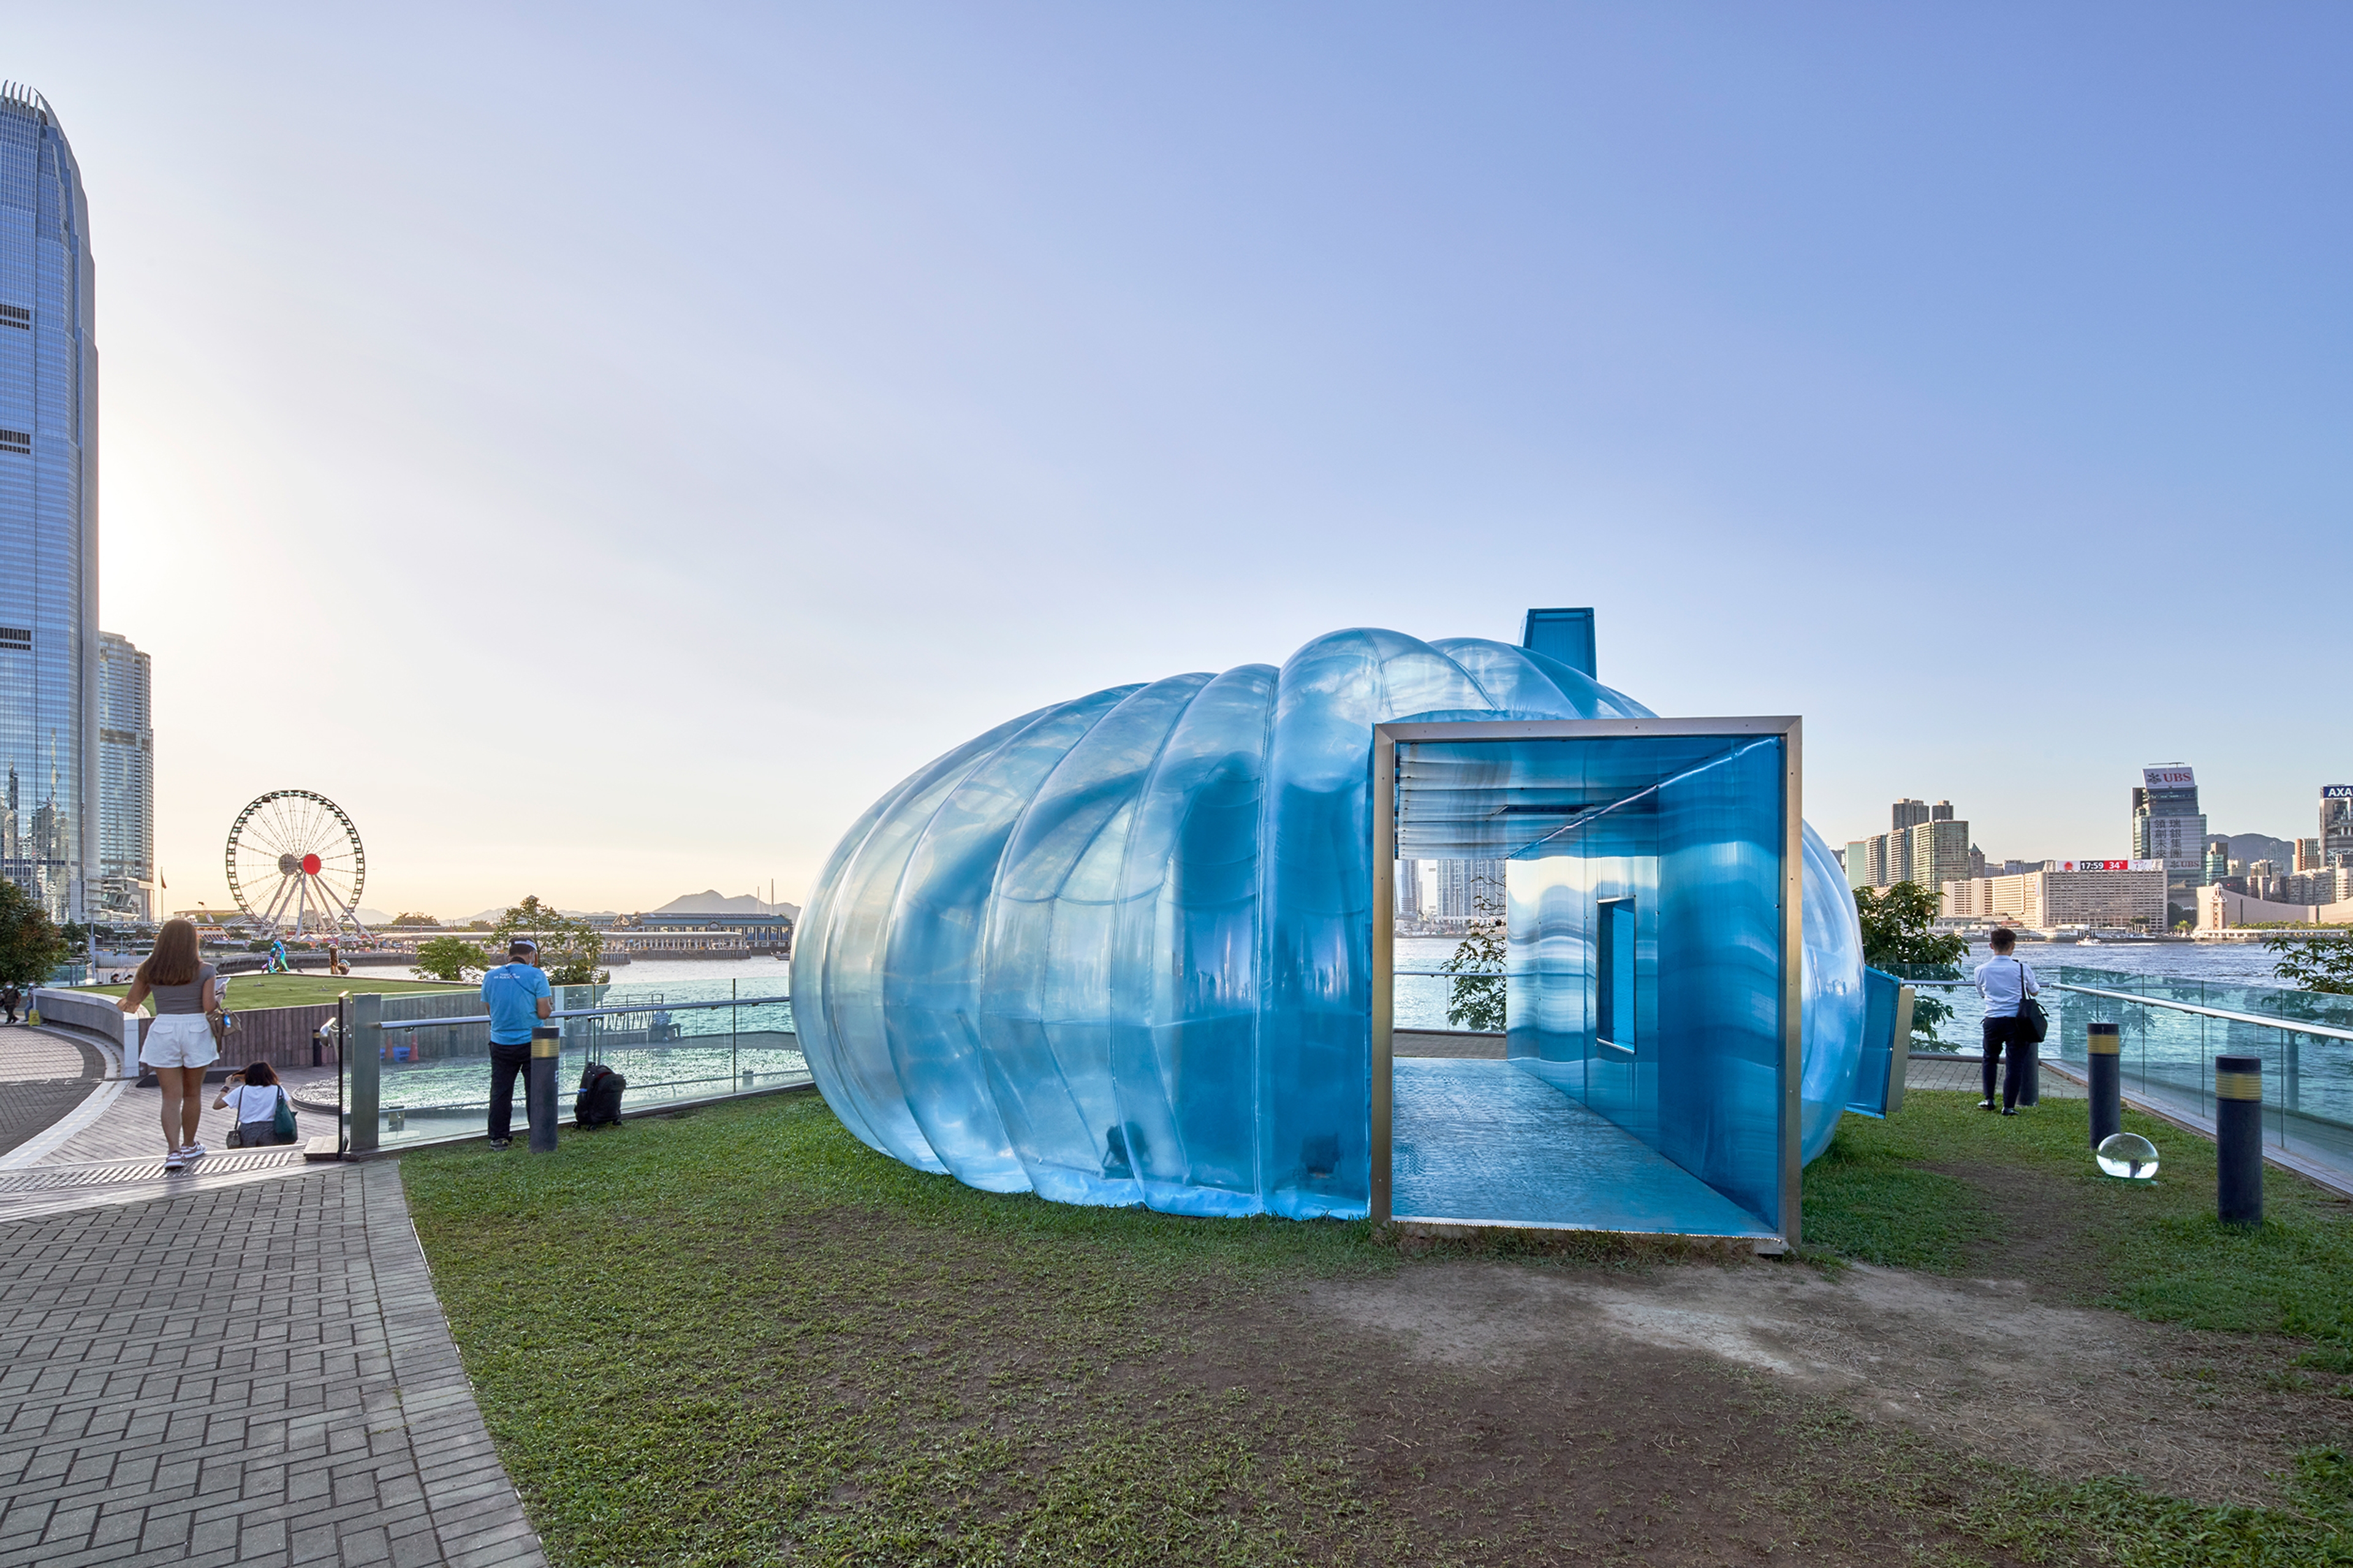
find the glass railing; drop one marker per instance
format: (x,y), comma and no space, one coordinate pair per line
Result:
(675,1042)
(2170,1031)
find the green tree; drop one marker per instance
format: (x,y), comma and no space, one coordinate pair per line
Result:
(2319,964)
(405,918)
(451,958)
(31,946)
(1476,1000)
(1899,931)
(1899,927)
(568,948)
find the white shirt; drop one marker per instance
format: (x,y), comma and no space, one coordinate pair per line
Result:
(1999,980)
(253,1101)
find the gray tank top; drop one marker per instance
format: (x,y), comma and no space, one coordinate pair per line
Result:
(188,998)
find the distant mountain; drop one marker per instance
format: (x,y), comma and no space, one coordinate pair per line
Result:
(712,901)
(2253,847)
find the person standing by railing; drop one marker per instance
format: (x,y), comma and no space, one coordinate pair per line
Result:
(517,997)
(2005,981)
(179,1043)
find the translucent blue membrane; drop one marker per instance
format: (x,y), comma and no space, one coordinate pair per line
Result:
(1118,950)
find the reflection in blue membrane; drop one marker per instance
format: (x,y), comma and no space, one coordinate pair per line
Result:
(1486,1142)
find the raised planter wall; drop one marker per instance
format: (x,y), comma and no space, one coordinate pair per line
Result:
(82,1013)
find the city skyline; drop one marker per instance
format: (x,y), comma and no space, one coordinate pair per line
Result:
(596,557)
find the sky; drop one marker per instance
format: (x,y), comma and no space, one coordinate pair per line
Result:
(604,447)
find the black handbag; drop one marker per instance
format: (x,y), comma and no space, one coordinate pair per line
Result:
(2033,1023)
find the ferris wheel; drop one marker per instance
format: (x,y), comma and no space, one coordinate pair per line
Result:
(295,863)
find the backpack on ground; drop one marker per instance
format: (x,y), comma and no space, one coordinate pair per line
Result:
(599,1104)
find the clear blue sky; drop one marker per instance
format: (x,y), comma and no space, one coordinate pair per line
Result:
(606,446)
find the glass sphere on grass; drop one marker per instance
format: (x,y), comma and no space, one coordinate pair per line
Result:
(2127,1155)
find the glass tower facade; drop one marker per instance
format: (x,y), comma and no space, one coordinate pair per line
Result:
(126,783)
(49,512)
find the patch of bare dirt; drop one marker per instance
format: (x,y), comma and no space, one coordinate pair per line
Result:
(1977,1364)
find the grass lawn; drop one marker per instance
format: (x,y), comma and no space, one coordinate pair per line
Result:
(1949,1188)
(298,990)
(738,1336)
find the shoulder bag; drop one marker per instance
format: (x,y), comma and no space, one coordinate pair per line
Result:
(2033,1023)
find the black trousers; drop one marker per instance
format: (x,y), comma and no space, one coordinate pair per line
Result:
(506,1061)
(1999,1033)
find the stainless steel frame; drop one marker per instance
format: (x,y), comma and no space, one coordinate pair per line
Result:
(1385,738)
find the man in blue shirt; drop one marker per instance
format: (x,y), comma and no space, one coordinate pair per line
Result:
(516,997)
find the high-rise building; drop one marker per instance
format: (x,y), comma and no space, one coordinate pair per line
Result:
(2337,825)
(1409,890)
(1462,883)
(48,510)
(2307,856)
(1897,858)
(1929,850)
(2167,824)
(126,783)
(1906,813)
(2217,859)
(1938,852)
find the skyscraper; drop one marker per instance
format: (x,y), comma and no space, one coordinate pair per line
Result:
(2167,824)
(2336,824)
(126,782)
(48,510)
(1905,813)
(1461,884)
(1409,890)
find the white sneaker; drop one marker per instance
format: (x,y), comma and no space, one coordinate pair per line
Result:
(195,1151)
(175,1162)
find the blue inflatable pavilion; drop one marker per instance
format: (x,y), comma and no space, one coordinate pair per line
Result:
(1136,948)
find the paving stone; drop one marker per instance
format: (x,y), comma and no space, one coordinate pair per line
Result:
(291,1398)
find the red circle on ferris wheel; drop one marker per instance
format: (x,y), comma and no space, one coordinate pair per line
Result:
(309,865)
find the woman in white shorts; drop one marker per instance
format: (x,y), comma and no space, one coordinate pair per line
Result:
(179,1043)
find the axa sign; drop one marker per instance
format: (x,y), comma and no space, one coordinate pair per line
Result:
(2337,792)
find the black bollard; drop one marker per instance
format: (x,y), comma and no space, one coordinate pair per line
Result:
(2104,1076)
(539,1088)
(2239,1140)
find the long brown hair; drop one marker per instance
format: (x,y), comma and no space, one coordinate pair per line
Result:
(174,961)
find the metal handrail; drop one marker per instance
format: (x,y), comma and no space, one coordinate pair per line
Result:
(2290,1025)
(391,1024)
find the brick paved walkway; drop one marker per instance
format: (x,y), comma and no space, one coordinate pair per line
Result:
(258,1374)
(47,1077)
(1963,1073)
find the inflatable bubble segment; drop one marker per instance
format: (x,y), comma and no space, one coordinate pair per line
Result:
(1119,950)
